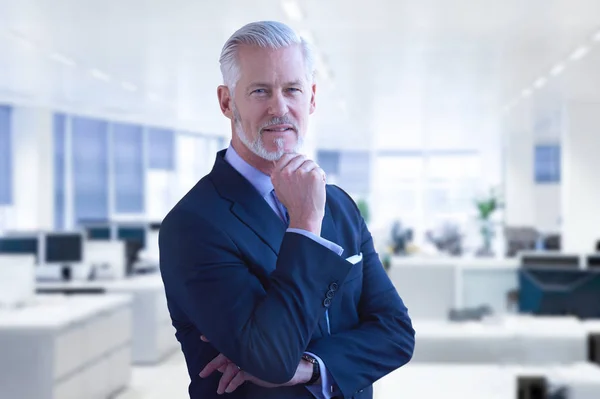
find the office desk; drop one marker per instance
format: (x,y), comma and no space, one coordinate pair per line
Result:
(153,334)
(431,286)
(66,348)
(468,381)
(513,340)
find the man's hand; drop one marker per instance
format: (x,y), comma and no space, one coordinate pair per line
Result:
(233,377)
(300,186)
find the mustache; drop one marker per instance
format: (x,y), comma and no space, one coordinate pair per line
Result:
(279,121)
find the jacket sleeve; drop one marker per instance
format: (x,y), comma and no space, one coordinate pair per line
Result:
(265,332)
(382,342)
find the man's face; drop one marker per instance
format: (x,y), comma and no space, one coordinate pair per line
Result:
(273,100)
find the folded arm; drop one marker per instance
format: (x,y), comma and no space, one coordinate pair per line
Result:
(382,342)
(265,332)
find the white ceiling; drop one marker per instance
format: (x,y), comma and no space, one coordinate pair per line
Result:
(397,66)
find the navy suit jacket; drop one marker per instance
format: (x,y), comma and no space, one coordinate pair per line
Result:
(259,294)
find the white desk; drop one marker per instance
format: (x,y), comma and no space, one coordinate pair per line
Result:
(66,348)
(153,334)
(17,279)
(431,286)
(514,340)
(468,381)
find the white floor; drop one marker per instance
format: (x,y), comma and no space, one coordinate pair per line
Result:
(166,380)
(170,380)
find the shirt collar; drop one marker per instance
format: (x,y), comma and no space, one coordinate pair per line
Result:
(261,182)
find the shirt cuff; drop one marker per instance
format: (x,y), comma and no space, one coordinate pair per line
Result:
(326,243)
(327,388)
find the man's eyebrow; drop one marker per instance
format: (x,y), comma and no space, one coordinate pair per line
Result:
(297,82)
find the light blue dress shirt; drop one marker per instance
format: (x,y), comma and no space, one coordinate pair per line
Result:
(262,183)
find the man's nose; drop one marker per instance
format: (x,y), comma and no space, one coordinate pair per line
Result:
(279,106)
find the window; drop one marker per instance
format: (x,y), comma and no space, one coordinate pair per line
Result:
(128,168)
(396,190)
(354,172)
(5,156)
(186,163)
(161,149)
(59,127)
(547,164)
(329,161)
(424,189)
(90,169)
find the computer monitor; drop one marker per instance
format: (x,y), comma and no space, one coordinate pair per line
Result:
(64,250)
(135,240)
(98,233)
(154,226)
(560,292)
(20,245)
(549,260)
(132,233)
(593,262)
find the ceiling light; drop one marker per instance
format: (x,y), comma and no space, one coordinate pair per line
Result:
(129,86)
(526,93)
(63,59)
(98,74)
(596,37)
(292,10)
(541,82)
(579,53)
(558,69)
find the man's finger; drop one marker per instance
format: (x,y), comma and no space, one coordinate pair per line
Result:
(203,338)
(230,372)
(215,364)
(295,163)
(307,166)
(238,380)
(285,160)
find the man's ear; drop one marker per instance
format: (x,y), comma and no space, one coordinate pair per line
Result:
(225,101)
(313,93)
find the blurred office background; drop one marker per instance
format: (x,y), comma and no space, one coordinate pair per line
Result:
(468,131)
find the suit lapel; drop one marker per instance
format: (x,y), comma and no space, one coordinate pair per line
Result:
(262,220)
(252,209)
(247,203)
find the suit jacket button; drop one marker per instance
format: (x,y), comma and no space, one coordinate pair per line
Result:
(327,302)
(333,287)
(330,294)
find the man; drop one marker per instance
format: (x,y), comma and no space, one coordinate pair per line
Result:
(272,281)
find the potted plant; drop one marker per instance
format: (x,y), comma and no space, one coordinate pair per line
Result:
(486,206)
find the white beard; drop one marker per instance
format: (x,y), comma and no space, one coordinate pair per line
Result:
(257,146)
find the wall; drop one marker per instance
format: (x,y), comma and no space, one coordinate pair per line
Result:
(530,203)
(581,191)
(33,184)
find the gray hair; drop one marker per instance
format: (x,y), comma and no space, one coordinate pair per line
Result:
(264,34)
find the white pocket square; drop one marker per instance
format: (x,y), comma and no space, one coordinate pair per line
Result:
(355,258)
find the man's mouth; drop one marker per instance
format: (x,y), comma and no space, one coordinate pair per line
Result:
(278,128)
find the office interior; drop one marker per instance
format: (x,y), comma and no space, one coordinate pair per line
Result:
(465,130)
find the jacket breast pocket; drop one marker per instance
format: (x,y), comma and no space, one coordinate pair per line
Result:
(356,271)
